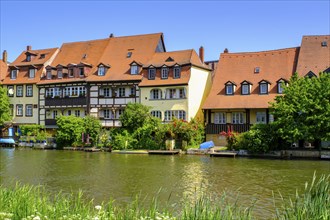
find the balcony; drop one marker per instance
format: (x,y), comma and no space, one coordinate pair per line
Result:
(65,101)
(217,128)
(50,121)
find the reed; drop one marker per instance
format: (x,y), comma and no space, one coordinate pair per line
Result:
(35,203)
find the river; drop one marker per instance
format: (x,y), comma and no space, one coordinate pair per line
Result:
(172,178)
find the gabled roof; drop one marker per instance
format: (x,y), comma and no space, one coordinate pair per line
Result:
(184,58)
(37,60)
(237,67)
(142,48)
(313,56)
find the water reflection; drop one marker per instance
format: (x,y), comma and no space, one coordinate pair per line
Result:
(103,175)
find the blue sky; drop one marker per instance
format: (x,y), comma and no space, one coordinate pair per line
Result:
(237,25)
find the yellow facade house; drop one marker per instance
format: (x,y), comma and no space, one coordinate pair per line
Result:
(175,84)
(21,79)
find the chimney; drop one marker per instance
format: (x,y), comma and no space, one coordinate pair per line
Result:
(4,56)
(201,53)
(226,50)
(111,35)
(29,47)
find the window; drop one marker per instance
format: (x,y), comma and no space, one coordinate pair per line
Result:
(261,117)
(179,114)
(263,88)
(156,94)
(10,91)
(54,114)
(49,74)
(81,72)
(121,92)
(28,57)
(42,56)
(164,73)
(171,93)
(106,113)
(182,93)
(57,92)
(134,69)
(19,110)
(32,73)
(177,72)
(237,118)
(13,74)
(69,112)
(59,74)
(157,114)
(230,89)
(71,72)
(220,118)
(19,91)
(280,85)
(101,70)
(129,54)
(151,73)
(29,110)
(49,93)
(106,92)
(324,44)
(257,70)
(77,113)
(29,91)
(132,91)
(82,91)
(119,112)
(245,89)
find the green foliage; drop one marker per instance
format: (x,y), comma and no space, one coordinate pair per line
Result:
(30,129)
(303,112)
(104,137)
(261,138)
(92,127)
(69,132)
(123,140)
(135,116)
(4,106)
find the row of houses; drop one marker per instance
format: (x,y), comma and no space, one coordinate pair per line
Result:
(100,77)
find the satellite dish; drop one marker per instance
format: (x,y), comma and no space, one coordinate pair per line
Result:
(11,91)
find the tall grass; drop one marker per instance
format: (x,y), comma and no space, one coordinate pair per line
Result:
(35,203)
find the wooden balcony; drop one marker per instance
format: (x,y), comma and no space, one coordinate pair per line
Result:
(65,101)
(217,128)
(50,121)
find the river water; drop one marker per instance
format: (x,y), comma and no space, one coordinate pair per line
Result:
(172,178)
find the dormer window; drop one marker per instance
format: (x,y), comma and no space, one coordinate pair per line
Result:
(81,72)
(246,87)
(134,69)
(263,86)
(151,73)
(28,57)
(42,56)
(71,74)
(176,72)
(49,74)
(324,44)
(281,83)
(257,70)
(164,72)
(13,74)
(59,74)
(230,88)
(310,74)
(32,73)
(101,70)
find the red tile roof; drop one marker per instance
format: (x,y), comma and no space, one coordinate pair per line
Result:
(3,70)
(141,47)
(313,56)
(237,67)
(43,56)
(184,58)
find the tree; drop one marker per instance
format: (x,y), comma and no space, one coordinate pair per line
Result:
(135,116)
(69,132)
(4,106)
(303,112)
(92,127)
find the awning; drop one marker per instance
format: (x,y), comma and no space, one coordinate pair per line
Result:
(7,141)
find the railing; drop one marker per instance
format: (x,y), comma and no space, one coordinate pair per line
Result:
(217,128)
(50,121)
(65,101)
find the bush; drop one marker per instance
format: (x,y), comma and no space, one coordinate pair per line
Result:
(123,140)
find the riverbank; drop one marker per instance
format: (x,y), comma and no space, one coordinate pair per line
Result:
(30,202)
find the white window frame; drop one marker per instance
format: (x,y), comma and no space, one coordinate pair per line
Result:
(245,89)
(238,118)
(261,117)
(29,110)
(176,72)
(121,92)
(107,113)
(156,94)
(157,114)
(107,91)
(179,114)
(32,73)
(101,70)
(77,112)
(151,73)
(280,88)
(134,69)
(11,88)
(228,91)
(19,91)
(263,88)
(29,91)
(164,73)
(13,74)
(55,113)
(219,118)
(19,110)
(59,74)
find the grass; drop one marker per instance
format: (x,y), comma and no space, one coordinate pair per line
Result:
(35,203)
